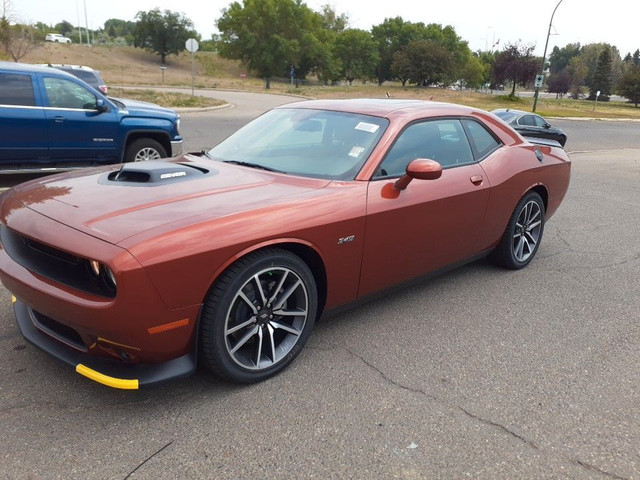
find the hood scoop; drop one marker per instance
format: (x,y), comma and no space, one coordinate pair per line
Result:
(154,173)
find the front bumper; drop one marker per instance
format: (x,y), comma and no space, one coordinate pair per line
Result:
(176,148)
(102,370)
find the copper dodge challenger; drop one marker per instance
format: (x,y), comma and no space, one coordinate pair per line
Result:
(133,273)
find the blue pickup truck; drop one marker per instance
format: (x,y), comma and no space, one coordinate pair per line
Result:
(51,120)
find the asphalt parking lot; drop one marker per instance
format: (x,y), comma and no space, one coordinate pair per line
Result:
(479,373)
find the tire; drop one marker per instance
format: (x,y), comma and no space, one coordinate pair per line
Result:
(144,149)
(521,239)
(258,316)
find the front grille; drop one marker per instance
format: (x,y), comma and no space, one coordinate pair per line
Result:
(54,264)
(62,332)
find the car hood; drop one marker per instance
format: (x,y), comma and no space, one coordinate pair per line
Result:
(114,206)
(141,109)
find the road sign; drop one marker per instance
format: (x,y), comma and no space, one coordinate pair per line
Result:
(191,45)
(539,81)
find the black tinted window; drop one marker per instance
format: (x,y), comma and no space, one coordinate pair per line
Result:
(482,140)
(16,89)
(88,77)
(540,122)
(527,120)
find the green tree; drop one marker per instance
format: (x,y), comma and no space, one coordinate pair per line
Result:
(65,28)
(162,33)
(390,37)
(332,20)
(487,59)
(560,57)
(425,62)
(515,65)
(473,73)
(602,79)
(271,36)
(120,29)
(356,52)
(577,70)
(629,84)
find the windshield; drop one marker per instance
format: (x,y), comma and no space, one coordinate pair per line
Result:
(312,143)
(506,115)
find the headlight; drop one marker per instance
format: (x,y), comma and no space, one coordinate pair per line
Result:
(94,266)
(99,270)
(110,277)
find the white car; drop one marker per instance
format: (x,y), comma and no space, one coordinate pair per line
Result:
(57,38)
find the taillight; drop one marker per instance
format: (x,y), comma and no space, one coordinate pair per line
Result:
(103,89)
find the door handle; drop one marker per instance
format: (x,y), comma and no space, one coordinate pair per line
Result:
(477,179)
(59,119)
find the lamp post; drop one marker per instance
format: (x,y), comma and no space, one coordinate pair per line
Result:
(544,55)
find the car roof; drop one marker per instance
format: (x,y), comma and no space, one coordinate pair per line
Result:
(29,68)
(382,107)
(65,66)
(512,110)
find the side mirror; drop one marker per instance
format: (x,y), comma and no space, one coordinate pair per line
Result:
(546,125)
(421,169)
(101,105)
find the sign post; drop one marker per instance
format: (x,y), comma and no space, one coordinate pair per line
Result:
(192,46)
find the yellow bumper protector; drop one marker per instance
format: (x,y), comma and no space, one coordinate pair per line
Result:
(13,299)
(105,379)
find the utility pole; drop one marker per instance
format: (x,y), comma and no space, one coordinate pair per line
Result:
(544,56)
(86,22)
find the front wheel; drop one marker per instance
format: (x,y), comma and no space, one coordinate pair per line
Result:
(144,149)
(521,239)
(258,316)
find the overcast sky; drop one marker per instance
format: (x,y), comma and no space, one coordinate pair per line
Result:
(481,23)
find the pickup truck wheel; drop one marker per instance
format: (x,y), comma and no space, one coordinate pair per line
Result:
(144,149)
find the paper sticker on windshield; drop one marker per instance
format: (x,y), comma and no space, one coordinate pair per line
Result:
(367,127)
(356,152)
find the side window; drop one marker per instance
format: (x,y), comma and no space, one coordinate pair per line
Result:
(16,89)
(441,140)
(483,142)
(527,120)
(64,93)
(539,121)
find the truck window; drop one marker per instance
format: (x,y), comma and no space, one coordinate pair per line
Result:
(64,93)
(16,89)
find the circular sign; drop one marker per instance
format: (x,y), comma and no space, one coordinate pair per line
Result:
(191,45)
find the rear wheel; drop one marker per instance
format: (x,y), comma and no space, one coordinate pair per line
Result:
(144,149)
(258,316)
(521,239)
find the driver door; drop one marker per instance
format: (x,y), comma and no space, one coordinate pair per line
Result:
(78,131)
(431,224)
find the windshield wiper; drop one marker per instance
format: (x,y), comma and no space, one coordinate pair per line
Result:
(254,165)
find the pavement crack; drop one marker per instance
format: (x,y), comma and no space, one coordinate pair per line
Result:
(485,421)
(147,459)
(593,468)
(391,381)
(500,426)
(445,403)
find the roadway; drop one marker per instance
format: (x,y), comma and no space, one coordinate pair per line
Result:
(479,373)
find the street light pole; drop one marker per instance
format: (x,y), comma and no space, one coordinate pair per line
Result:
(544,55)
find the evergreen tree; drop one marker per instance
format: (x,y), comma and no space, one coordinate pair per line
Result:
(602,79)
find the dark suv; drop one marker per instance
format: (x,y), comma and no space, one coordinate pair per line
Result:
(88,74)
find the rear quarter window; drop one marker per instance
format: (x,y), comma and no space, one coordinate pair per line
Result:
(16,89)
(482,141)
